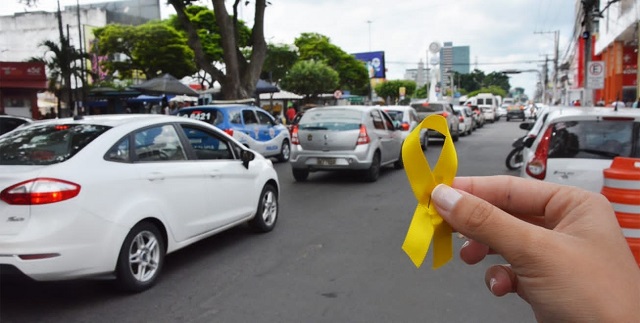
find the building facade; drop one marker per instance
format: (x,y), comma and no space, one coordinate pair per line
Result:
(419,75)
(615,30)
(453,59)
(22,34)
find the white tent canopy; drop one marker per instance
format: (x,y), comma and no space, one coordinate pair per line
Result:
(282,95)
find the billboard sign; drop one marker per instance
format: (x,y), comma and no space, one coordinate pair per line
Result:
(374,62)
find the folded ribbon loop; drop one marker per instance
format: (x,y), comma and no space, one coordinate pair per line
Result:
(427,223)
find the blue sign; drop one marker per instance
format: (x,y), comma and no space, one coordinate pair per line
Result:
(374,62)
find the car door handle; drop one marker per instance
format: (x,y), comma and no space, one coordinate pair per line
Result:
(214,173)
(155,176)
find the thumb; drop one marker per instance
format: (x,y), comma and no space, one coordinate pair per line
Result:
(481,221)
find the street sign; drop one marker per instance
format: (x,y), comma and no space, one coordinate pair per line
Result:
(595,75)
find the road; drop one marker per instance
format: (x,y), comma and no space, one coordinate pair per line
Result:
(334,256)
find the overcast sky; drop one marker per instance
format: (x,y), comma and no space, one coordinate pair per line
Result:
(502,34)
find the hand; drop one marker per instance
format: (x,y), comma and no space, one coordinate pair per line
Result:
(567,256)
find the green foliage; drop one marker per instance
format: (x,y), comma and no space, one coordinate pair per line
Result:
(493,89)
(353,73)
(311,78)
(280,58)
(204,21)
(421,92)
(477,81)
(154,48)
(391,89)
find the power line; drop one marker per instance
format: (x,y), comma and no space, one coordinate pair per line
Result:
(476,63)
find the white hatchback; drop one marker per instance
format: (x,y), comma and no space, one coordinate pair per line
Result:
(575,144)
(407,119)
(111,195)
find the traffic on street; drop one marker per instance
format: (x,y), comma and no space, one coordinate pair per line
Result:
(334,256)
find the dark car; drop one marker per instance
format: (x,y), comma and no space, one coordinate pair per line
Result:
(515,112)
(8,123)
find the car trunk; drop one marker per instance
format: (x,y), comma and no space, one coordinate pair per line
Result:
(325,140)
(584,173)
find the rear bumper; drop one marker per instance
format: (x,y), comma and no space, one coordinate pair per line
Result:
(72,253)
(359,158)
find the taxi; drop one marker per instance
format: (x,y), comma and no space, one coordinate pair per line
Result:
(249,124)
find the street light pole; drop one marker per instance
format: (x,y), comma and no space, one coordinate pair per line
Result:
(369,22)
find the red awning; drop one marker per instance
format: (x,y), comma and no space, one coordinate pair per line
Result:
(23,84)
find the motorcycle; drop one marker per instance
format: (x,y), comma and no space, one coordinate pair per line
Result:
(514,158)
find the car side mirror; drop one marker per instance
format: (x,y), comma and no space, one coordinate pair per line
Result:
(526,125)
(246,156)
(528,142)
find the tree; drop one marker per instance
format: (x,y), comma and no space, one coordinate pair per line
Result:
(311,78)
(167,53)
(391,89)
(353,73)
(279,60)
(241,72)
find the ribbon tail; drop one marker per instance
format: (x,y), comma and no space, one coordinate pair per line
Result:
(416,243)
(442,244)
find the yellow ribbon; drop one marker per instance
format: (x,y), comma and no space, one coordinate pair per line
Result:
(427,224)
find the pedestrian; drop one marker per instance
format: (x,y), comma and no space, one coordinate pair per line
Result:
(565,253)
(291,113)
(636,105)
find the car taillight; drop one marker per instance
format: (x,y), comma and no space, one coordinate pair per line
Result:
(461,118)
(537,166)
(229,131)
(363,137)
(445,114)
(405,126)
(295,140)
(39,191)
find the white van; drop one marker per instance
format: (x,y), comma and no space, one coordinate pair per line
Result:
(489,105)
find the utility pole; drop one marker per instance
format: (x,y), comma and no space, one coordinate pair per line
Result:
(556,34)
(81,48)
(587,6)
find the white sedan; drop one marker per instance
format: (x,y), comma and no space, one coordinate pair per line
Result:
(112,195)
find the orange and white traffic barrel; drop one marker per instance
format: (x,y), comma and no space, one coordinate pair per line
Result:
(622,188)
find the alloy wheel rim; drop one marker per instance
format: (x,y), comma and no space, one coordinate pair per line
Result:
(269,208)
(286,151)
(144,256)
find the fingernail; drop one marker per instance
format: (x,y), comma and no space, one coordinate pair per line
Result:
(445,198)
(466,243)
(492,283)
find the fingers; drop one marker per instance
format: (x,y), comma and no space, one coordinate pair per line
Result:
(501,280)
(484,223)
(512,194)
(472,252)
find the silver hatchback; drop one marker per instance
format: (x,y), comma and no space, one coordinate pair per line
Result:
(361,138)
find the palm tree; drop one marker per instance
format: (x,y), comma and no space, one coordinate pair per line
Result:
(62,65)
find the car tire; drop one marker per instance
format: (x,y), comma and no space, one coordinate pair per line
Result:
(399,164)
(372,174)
(300,175)
(508,119)
(424,142)
(285,151)
(267,211)
(457,135)
(141,258)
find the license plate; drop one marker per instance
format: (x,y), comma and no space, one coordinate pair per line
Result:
(326,161)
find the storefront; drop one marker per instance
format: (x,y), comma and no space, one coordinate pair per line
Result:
(20,83)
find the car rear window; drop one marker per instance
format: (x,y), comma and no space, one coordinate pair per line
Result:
(604,139)
(428,107)
(395,115)
(46,144)
(330,119)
